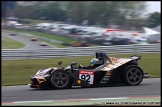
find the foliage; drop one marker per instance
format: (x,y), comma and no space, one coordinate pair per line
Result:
(95,12)
(11,44)
(154,19)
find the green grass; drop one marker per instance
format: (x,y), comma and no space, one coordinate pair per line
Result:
(54,44)
(18,72)
(42,40)
(11,44)
(55,37)
(66,40)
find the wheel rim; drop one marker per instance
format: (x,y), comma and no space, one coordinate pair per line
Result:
(60,79)
(134,76)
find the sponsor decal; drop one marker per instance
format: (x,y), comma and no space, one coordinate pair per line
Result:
(87,76)
(87,72)
(78,81)
(118,63)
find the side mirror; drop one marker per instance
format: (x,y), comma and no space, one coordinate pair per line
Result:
(60,62)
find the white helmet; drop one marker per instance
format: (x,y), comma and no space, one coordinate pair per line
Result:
(93,61)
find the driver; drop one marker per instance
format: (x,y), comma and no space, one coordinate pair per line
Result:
(92,62)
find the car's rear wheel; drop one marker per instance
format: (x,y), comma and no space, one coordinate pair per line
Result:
(60,80)
(133,75)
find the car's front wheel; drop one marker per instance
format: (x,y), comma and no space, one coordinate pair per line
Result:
(60,80)
(133,75)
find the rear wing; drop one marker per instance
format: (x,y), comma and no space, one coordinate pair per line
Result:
(135,57)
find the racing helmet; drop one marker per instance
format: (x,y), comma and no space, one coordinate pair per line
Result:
(93,61)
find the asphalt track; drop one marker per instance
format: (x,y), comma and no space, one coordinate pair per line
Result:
(28,43)
(148,87)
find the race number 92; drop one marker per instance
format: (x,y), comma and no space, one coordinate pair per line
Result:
(86,76)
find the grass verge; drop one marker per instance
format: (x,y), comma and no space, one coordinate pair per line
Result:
(55,37)
(11,44)
(18,72)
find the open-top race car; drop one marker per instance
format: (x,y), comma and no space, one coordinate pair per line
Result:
(103,71)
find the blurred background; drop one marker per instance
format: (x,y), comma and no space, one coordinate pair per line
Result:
(86,23)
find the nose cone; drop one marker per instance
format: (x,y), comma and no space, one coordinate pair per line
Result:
(146,75)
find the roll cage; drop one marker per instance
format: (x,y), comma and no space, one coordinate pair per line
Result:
(102,58)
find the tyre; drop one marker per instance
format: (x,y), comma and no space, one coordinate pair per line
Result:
(133,75)
(60,80)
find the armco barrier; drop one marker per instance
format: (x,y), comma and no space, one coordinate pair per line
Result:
(9,54)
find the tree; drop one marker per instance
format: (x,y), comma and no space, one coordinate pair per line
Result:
(75,11)
(24,12)
(95,12)
(7,8)
(37,10)
(154,19)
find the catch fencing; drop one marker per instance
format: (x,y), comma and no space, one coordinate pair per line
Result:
(10,54)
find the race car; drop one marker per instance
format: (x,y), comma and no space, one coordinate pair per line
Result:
(103,71)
